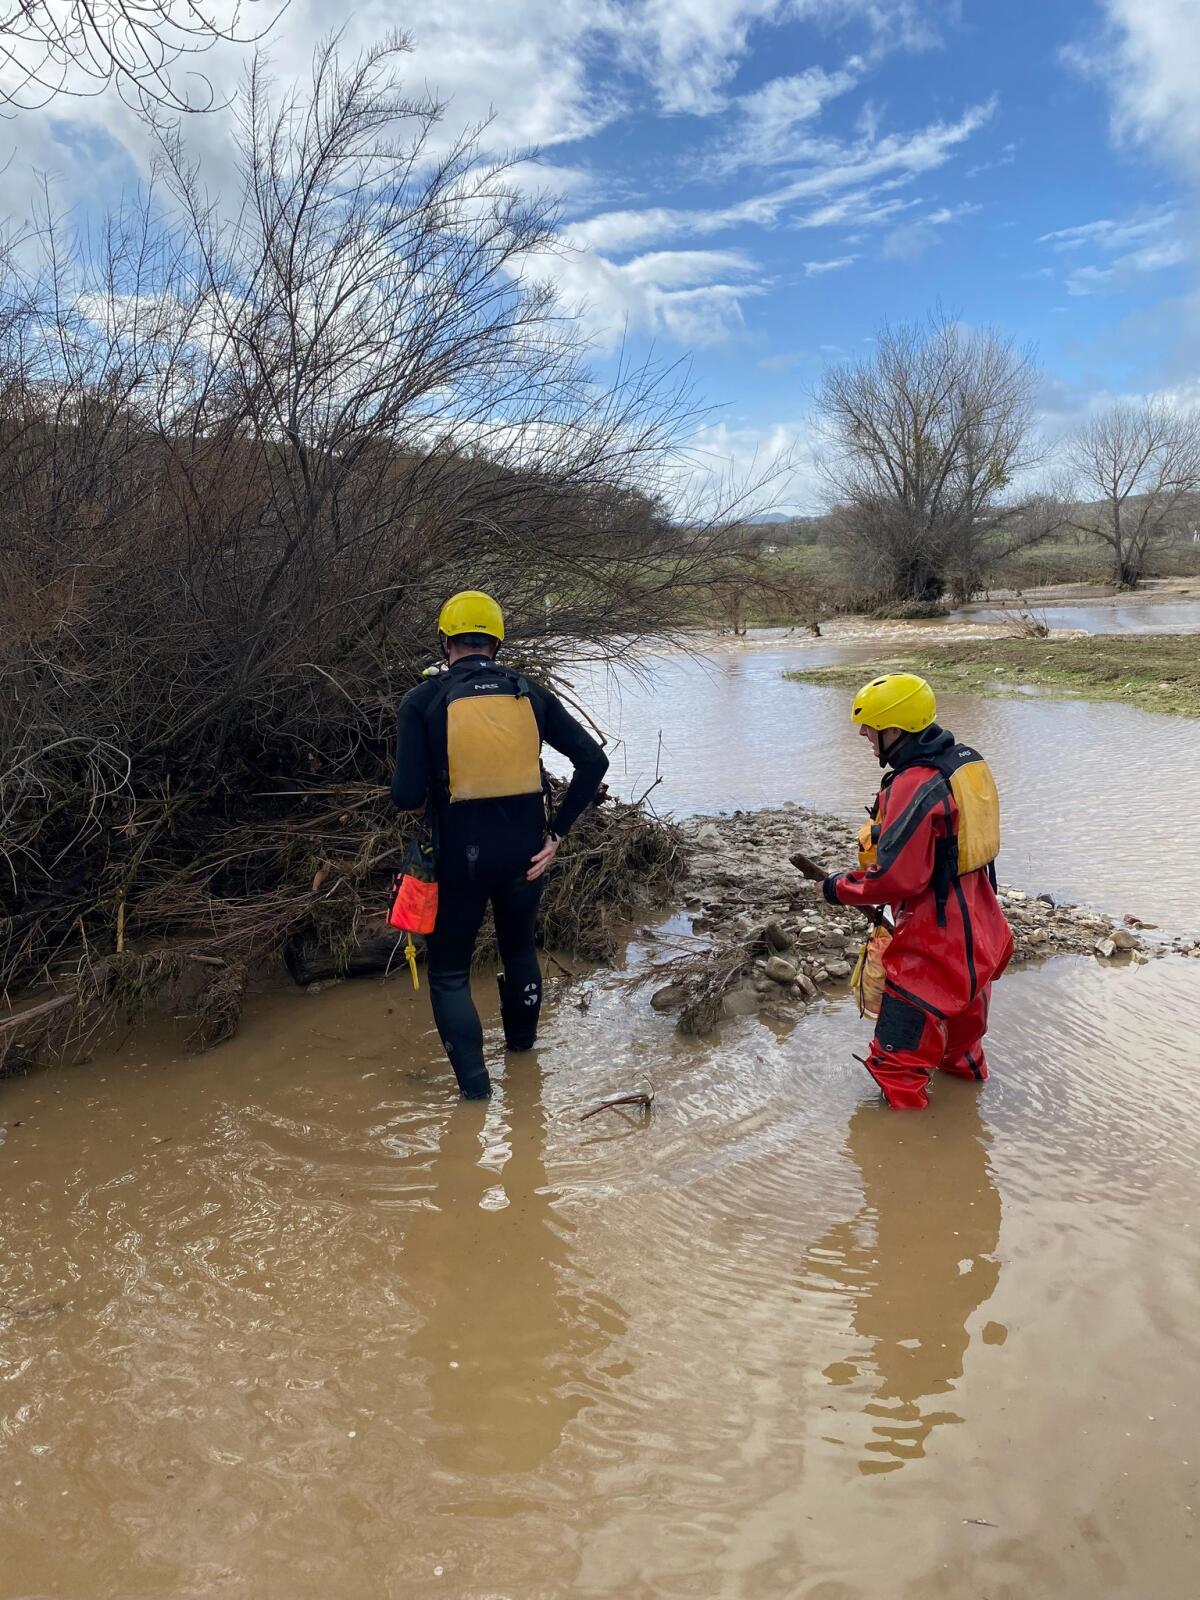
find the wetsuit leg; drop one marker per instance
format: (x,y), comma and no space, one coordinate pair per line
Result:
(964,1056)
(515,907)
(909,1044)
(450,948)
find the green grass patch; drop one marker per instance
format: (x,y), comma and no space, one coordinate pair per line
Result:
(1158,672)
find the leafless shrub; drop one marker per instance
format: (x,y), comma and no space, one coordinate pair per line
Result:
(244,456)
(1028,623)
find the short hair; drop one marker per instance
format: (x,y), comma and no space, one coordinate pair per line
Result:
(481,641)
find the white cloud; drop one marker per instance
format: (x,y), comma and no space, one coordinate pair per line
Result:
(768,120)
(777,458)
(864,168)
(541,73)
(1006,158)
(694,297)
(690,50)
(816,269)
(1149,57)
(1152,236)
(1108,234)
(1154,258)
(912,240)
(1089,280)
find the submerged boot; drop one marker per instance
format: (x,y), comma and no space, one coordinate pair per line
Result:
(519,1013)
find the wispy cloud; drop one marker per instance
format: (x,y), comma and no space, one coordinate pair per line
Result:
(817,269)
(1005,159)
(690,50)
(912,240)
(1152,236)
(1155,258)
(864,168)
(694,297)
(1109,234)
(768,124)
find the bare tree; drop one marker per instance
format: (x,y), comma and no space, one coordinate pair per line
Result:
(79,47)
(244,456)
(1136,469)
(926,436)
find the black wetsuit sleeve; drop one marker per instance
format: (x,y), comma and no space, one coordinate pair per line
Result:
(410,778)
(562,733)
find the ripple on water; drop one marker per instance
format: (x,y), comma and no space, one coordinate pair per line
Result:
(1082,821)
(770,1338)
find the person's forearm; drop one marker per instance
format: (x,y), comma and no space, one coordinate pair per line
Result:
(581,791)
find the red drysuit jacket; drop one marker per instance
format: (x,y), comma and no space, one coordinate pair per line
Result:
(941,965)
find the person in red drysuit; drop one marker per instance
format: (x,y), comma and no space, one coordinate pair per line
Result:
(951,937)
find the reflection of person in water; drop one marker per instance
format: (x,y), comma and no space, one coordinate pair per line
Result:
(916,1264)
(508,1346)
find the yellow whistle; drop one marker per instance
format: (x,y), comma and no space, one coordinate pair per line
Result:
(410,955)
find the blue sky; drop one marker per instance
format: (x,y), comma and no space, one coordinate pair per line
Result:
(757,184)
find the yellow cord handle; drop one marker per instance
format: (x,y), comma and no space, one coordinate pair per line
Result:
(410,955)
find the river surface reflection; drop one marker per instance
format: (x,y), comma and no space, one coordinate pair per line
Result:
(1094,794)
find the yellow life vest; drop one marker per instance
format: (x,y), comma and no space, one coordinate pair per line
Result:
(976,844)
(493,744)
(978,802)
(868,841)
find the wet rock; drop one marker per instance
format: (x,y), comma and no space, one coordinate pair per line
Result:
(669,997)
(740,1002)
(1105,948)
(755,905)
(1122,939)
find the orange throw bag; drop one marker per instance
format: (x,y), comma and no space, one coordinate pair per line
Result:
(415,892)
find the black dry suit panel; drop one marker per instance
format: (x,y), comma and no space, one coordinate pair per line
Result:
(491,810)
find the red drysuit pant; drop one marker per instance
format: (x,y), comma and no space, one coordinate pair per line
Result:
(911,1042)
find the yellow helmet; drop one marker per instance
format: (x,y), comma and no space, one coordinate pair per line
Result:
(471,612)
(897,700)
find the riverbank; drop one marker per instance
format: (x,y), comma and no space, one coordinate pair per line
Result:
(1158,672)
(763,942)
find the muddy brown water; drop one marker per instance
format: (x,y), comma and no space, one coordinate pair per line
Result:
(1094,793)
(287,1322)
(1159,616)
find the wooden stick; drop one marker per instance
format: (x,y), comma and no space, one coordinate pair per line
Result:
(640,1098)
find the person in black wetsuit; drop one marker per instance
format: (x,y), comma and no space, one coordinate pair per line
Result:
(468,747)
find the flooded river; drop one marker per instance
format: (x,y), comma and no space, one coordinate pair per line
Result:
(1094,793)
(288,1322)
(1158,616)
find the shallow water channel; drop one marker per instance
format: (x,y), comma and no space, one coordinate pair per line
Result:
(288,1321)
